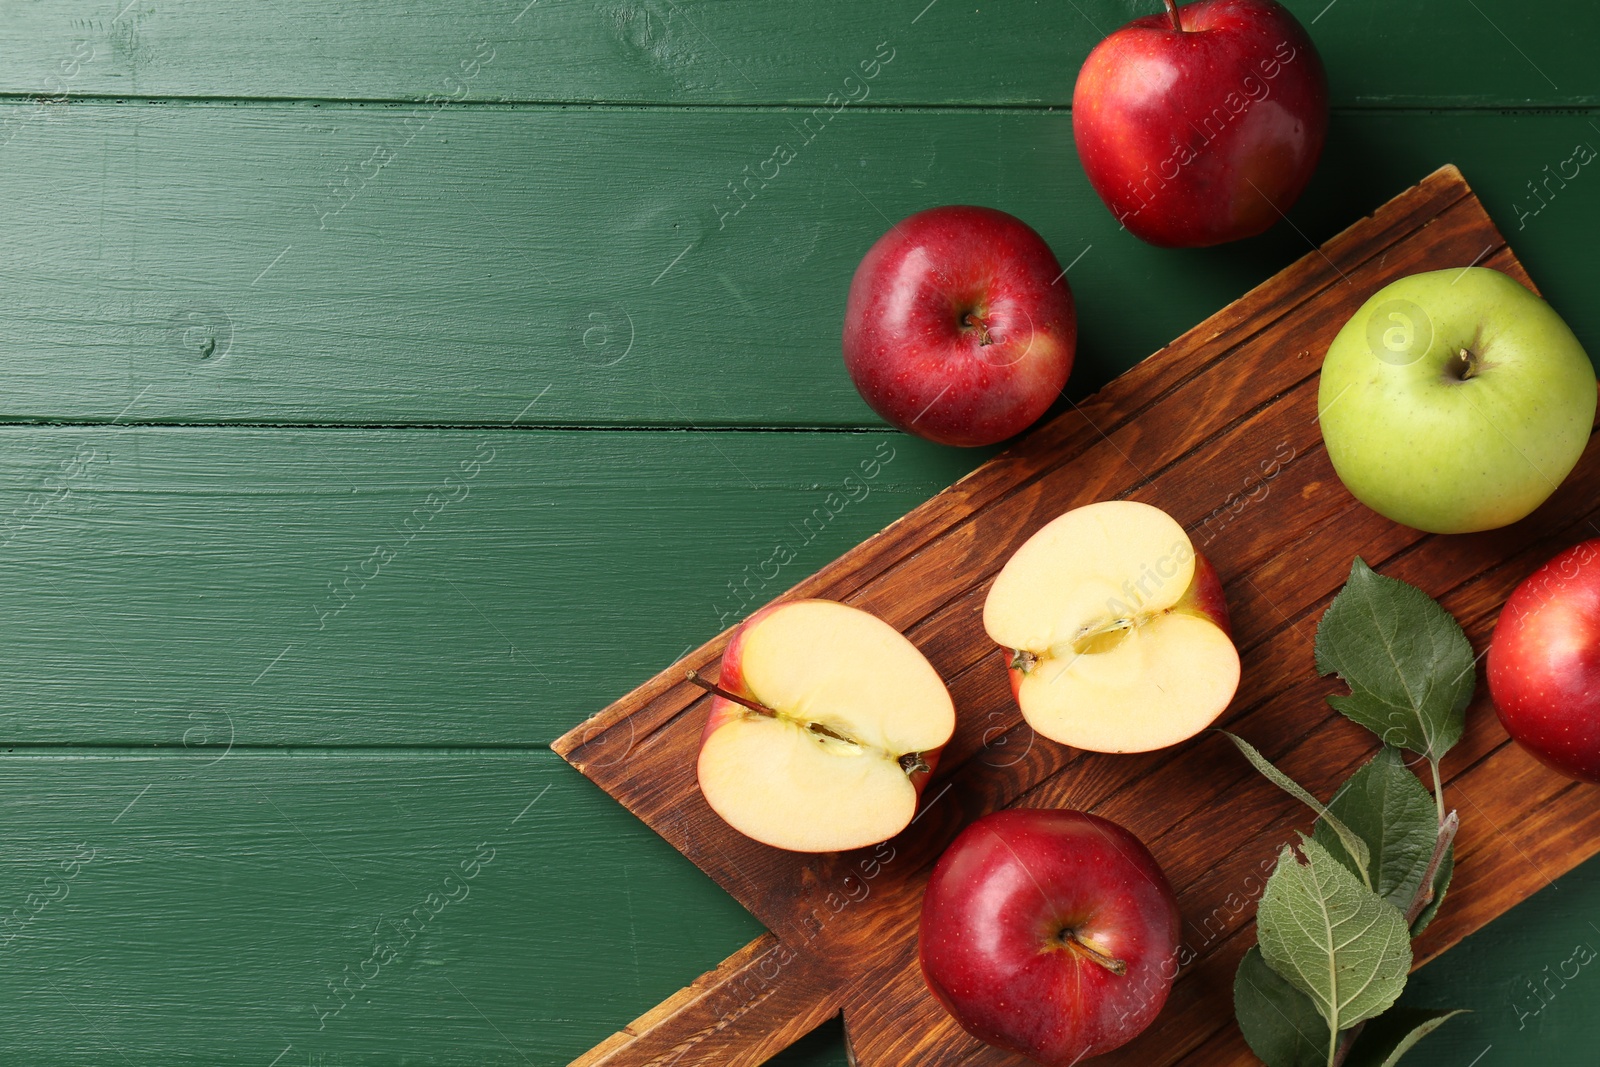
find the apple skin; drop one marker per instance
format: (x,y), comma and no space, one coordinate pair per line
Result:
(1544,663)
(731,677)
(921,305)
(990,939)
(1418,444)
(1203,597)
(1204,136)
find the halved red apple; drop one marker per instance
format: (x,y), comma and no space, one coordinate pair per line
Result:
(1115,630)
(825,726)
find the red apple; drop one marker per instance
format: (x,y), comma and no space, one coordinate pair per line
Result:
(960,326)
(1544,663)
(825,727)
(1116,629)
(1052,934)
(1204,124)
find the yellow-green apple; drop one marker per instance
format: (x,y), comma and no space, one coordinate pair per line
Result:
(1052,934)
(1455,400)
(1204,124)
(1115,630)
(824,727)
(1544,663)
(959,326)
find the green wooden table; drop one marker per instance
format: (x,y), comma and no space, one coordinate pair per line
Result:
(385,391)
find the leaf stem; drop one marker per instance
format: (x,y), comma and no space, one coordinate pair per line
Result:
(1346,1041)
(1447,834)
(1438,791)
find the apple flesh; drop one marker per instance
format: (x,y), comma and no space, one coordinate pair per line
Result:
(1455,400)
(1204,597)
(825,727)
(960,327)
(1115,629)
(1204,124)
(1051,934)
(1544,663)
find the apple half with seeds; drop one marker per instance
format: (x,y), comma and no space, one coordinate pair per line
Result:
(823,729)
(1115,630)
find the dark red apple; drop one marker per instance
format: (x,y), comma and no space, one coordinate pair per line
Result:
(1052,934)
(1202,125)
(1544,663)
(960,326)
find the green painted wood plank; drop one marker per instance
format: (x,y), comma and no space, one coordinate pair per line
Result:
(190,909)
(174,266)
(1424,52)
(276,586)
(206,903)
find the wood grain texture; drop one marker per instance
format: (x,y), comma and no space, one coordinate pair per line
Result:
(745,1014)
(224,891)
(280,581)
(1427,53)
(176,267)
(1192,430)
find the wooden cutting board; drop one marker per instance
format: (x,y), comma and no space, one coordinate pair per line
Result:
(1219,428)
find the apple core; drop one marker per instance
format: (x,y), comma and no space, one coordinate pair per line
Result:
(824,726)
(1116,630)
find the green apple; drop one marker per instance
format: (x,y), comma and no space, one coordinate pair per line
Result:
(1455,400)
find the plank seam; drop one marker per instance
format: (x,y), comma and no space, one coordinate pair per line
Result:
(1580,104)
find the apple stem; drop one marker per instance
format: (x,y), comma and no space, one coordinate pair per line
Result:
(1110,963)
(1172,13)
(970,320)
(1469,365)
(762,709)
(712,687)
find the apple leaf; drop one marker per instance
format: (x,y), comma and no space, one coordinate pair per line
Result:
(1280,1023)
(1354,845)
(1441,882)
(1407,663)
(1385,805)
(1388,1037)
(1334,939)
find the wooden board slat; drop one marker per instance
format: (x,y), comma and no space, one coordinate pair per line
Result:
(399,586)
(504,251)
(1219,428)
(1010,52)
(225,891)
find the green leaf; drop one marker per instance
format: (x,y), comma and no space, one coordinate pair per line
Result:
(1441,882)
(1334,939)
(1354,846)
(1406,661)
(1280,1023)
(1385,805)
(1388,1037)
